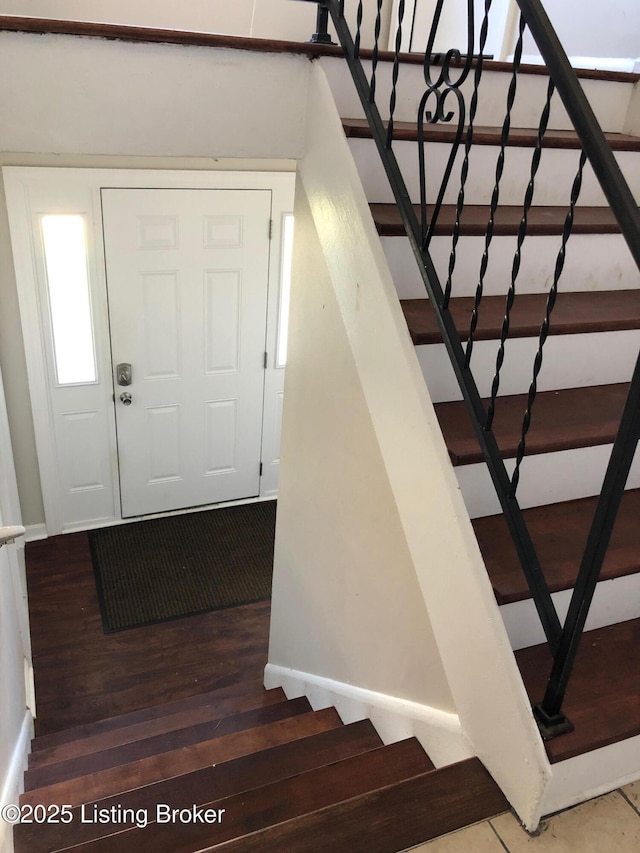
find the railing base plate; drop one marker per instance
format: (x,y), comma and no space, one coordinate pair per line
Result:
(551,725)
(321,38)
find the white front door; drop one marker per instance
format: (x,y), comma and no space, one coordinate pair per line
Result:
(187,276)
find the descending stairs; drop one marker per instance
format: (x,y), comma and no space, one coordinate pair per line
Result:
(589,357)
(266,773)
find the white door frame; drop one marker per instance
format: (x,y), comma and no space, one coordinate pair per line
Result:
(33,191)
(12,554)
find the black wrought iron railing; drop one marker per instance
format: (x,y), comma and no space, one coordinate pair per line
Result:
(453,82)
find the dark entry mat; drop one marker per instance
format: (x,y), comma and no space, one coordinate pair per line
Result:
(165,568)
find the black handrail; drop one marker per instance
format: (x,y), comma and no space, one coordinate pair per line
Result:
(521,538)
(585,123)
(625,209)
(446,87)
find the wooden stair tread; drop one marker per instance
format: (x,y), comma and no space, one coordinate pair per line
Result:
(226,779)
(236,697)
(279,801)
(127,753)
(543,220)
(521,137)
(602,696)
(116,780)
(574,313)
(559,533)
(162,724)
(390,819)
(562,420)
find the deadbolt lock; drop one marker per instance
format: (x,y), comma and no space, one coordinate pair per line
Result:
(123,374)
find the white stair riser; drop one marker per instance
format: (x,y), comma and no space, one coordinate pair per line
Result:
(614,601)
(609,100)
(545,478)
(570,361)
(593,262)
(553,181)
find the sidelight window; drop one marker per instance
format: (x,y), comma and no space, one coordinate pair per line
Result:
(285,289)
(65,251)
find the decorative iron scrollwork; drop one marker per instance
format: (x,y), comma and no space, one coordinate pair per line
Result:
(440,91)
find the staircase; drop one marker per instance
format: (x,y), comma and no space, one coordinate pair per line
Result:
(246,769)
(271,773)
(588,361)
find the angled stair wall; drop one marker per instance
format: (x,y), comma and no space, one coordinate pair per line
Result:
(365,456)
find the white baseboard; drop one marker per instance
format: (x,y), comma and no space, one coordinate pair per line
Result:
(395,719)
(36,531)
(99,523)
(592,774)
(12,784)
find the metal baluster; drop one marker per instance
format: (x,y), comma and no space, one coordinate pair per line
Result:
(548,713)
(441,90)
(495,196)
(356,41)
(607,171)
(515,269)
(395,73)
(422,172)
(467,149)
(374,56)
(546,323)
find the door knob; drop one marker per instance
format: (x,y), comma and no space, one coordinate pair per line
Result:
(125,398)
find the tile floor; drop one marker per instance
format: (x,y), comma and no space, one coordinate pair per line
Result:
(608,824)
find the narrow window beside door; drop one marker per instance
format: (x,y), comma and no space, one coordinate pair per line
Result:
(65,252)
(285,289)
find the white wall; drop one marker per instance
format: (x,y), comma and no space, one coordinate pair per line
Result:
(632,124)
(452,29)
(267,19)
(346,602)
(67,95)
(606,30)
(15,718)
(89,102)
(242,17)
(372,491)
(594,35)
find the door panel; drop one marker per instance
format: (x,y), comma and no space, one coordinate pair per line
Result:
(187,276)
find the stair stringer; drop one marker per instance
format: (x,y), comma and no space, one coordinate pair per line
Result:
(470,639)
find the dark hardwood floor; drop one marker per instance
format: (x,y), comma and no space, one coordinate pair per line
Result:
(83,675)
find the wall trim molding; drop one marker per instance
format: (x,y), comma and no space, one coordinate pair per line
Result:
(12,784)
(35,532)
(439,732)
